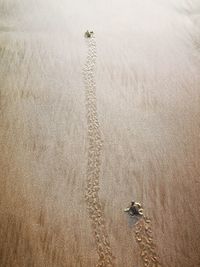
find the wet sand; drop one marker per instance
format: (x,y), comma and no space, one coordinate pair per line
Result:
(147,99)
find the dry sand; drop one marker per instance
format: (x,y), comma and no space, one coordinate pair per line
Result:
(148,105)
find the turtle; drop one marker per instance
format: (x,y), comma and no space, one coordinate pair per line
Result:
(135,209)
(88,34)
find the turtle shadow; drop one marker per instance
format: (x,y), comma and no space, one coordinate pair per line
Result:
(132,220)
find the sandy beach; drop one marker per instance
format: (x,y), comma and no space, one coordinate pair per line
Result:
(129,131)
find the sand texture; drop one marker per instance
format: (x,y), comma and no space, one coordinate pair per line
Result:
(88,125)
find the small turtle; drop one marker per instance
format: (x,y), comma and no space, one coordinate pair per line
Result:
(88,34)
(135,209)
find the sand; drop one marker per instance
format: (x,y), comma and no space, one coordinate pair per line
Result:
(147,98)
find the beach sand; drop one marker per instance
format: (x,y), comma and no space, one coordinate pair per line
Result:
(147,76)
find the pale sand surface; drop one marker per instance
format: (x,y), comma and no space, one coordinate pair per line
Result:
(148,100)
